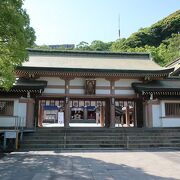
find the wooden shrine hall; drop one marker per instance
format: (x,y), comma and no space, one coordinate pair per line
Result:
(104,88)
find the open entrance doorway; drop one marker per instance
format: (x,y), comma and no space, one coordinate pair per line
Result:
(89,113)
(51,113)
(125,113)
(83,113)
(86,112)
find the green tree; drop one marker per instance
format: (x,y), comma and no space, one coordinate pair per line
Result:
(98,45)
(15,36)
(151,36)
(119,45)
(83,46)
(95,45)
(173,48)
(157,53)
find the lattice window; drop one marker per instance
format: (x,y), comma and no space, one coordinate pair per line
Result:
(6,108)
(172,109)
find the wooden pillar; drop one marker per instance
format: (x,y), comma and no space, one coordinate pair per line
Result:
(102,116)
(107,113)
(29,119)
(127,116)
(67,83)
(30,113)
(139,112)
(40,114)
(66,112)
(66,104)
(112,113)
(148,118)
(112,105)
(85,114)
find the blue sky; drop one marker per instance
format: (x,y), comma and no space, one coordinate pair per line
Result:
(73,21)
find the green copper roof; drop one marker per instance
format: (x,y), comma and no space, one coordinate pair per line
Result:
(89,61)
(170,84)
(27,85)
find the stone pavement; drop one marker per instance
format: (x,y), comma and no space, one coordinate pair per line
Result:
(84,165)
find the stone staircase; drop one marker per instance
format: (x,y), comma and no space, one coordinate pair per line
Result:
(101,138)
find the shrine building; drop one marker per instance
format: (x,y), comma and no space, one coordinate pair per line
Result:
(100,88)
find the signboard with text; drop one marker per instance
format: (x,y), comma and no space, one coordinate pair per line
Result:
(10,134)
(60,117)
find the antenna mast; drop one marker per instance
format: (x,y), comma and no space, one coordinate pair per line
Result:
(119,31)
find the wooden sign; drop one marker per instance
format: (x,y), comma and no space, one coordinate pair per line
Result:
(90,87)
(60,117)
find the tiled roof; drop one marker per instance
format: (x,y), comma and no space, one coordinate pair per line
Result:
(176,65)
(91,60)
(170,84)
(25,85)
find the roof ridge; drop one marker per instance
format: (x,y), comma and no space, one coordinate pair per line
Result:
(171,63)
(32,50)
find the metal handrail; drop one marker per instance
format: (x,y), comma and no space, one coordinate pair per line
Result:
(65,138)
(18,125)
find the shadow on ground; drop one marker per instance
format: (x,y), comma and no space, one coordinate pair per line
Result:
(54,166)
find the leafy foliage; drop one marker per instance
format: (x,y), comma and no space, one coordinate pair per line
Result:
(162,40)
(15,36)
(96,45)
(173,48)
(167,51)
(100,46)
(154,35)
(83,46)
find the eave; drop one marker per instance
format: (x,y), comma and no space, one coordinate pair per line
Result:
(26,85)
(78,72)
(161,87)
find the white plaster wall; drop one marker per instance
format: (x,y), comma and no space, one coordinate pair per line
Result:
(169,121)
(125,82)
(22,109)
(160,120)
(102,91)
(54,91)
(156,116)
(102,82)
(124,92)
(77,82)
(53,80)
(76,91)
(7,121)
(19,110)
